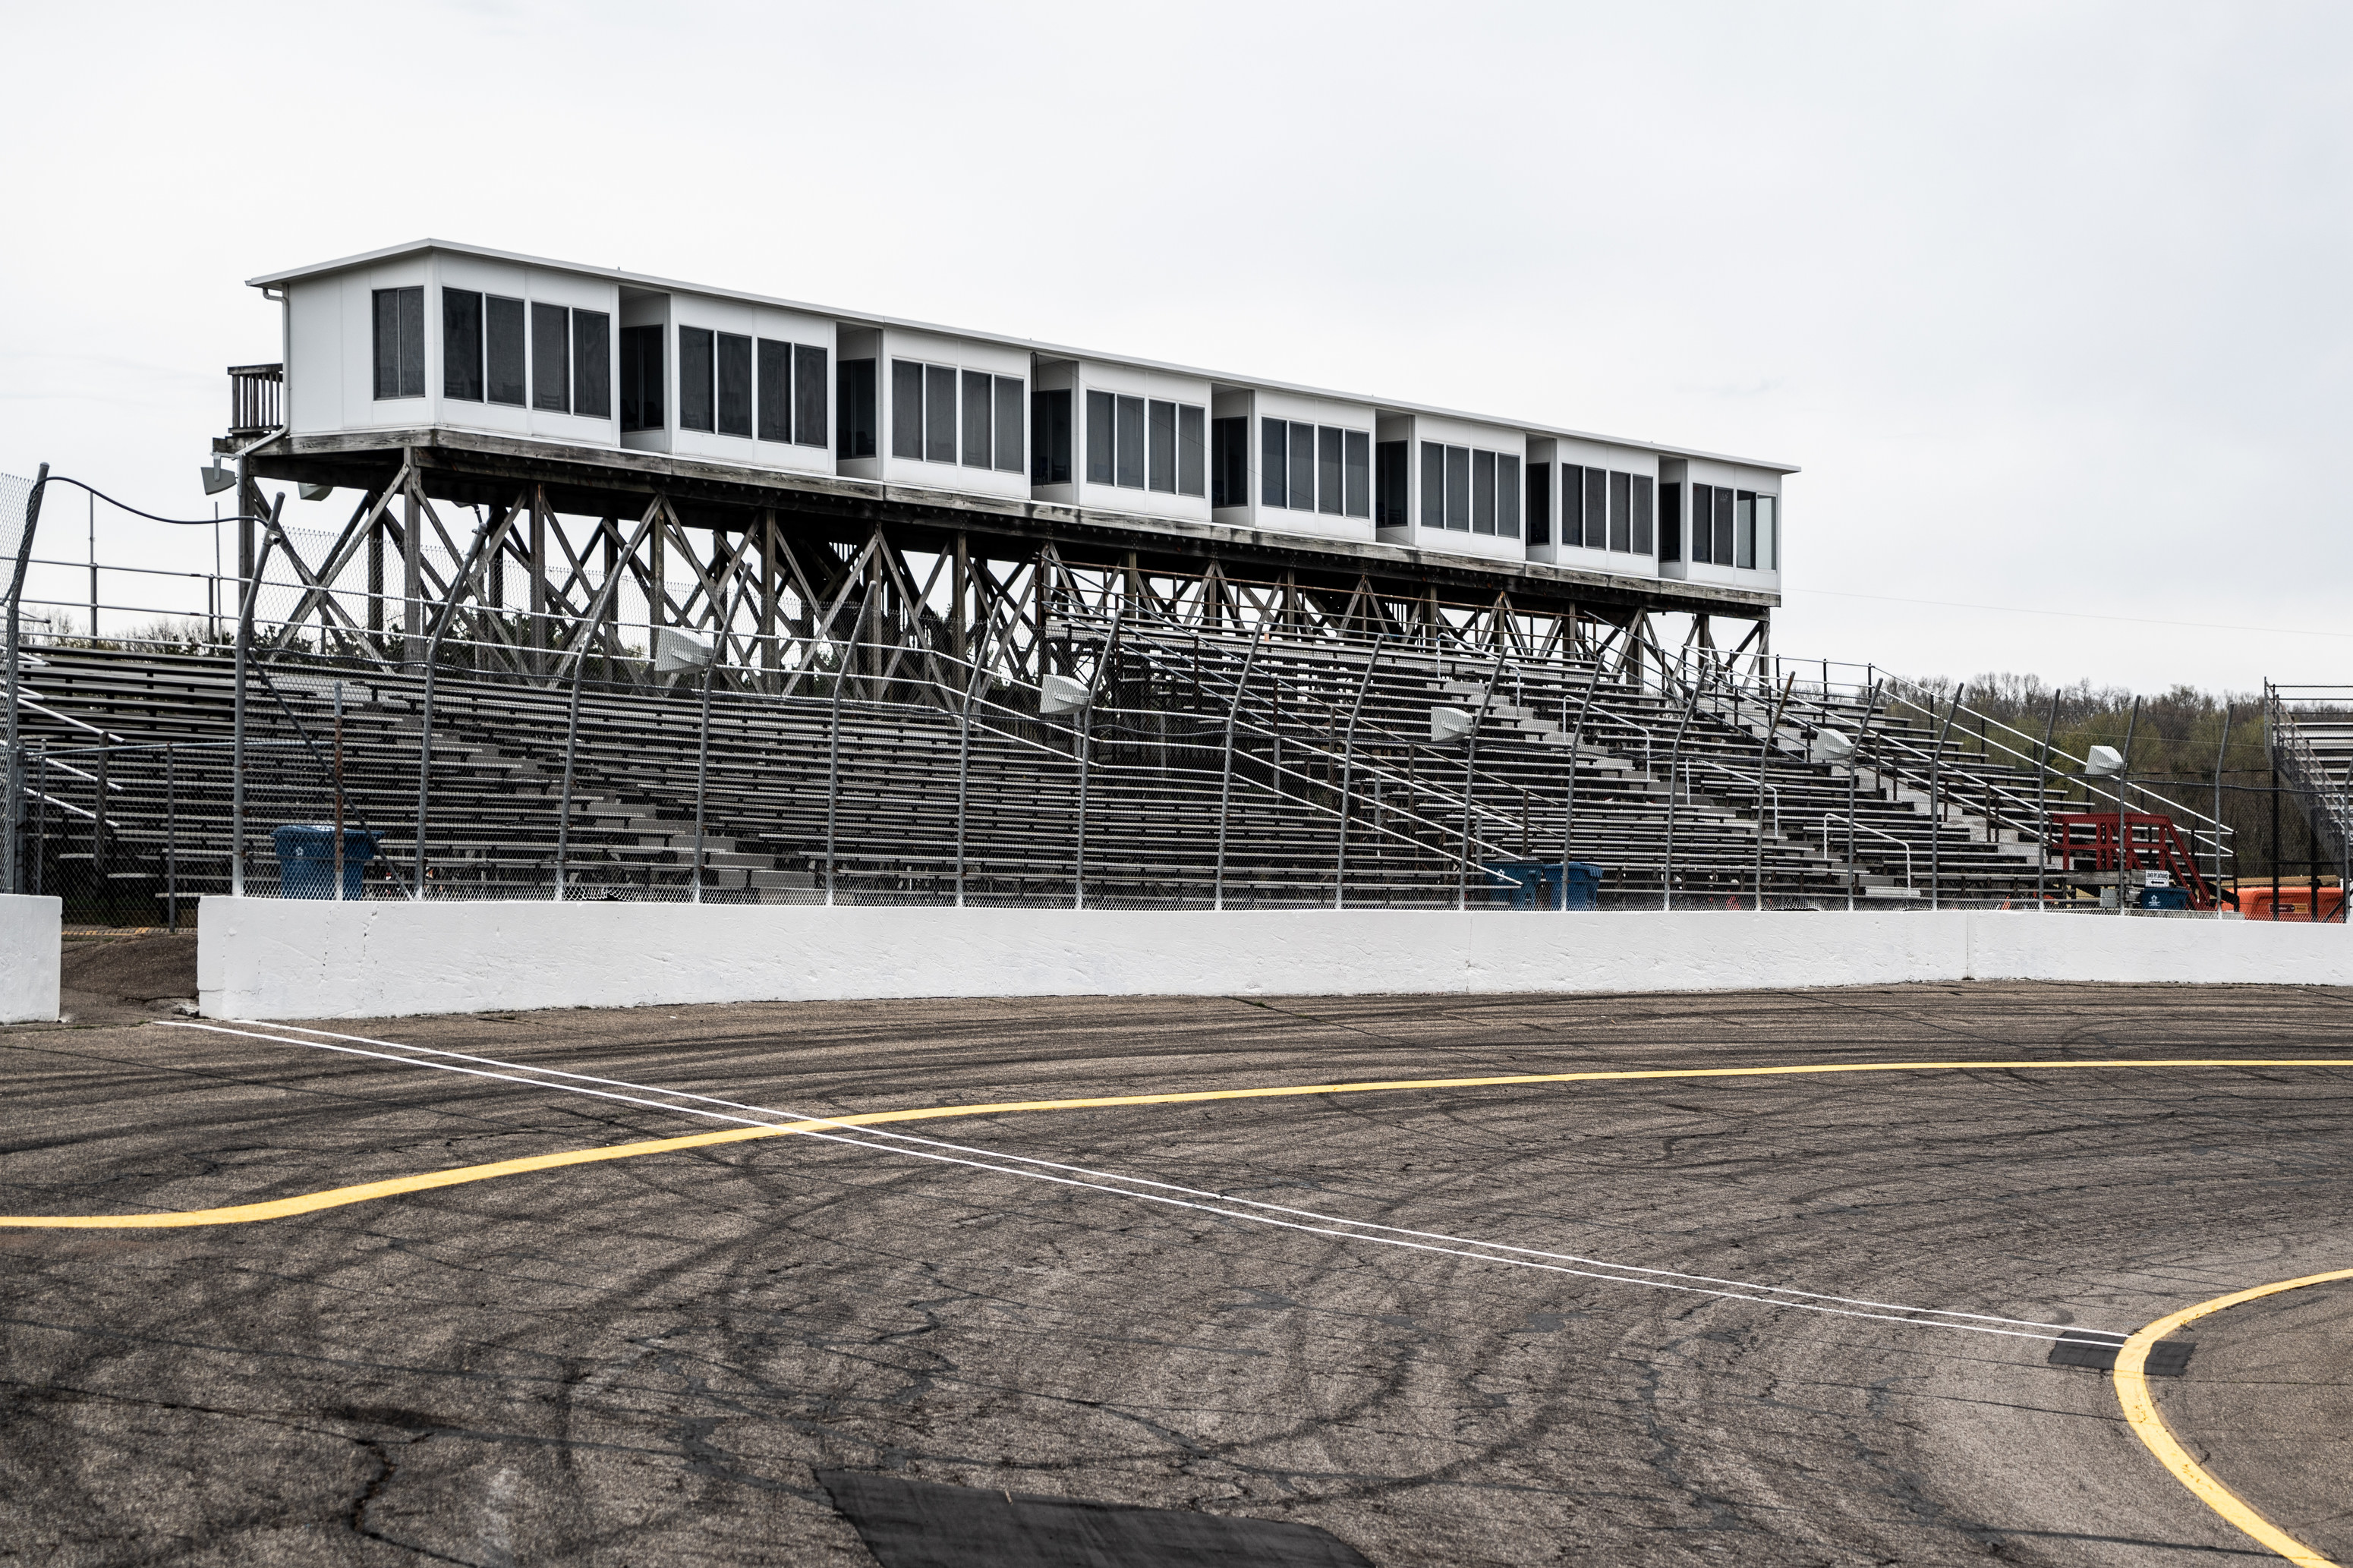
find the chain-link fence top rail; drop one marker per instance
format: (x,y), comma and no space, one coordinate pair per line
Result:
(842,740)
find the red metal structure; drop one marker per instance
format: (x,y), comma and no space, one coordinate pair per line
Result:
(2147,842)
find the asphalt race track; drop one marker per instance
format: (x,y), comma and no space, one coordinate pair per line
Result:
(646,1360)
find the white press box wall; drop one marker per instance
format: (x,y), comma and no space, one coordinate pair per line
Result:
(330,387)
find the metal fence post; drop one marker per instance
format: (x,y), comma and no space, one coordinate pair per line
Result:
(12,809)
(1936,802)
(1568,801)
(833,747)
(171,845)
(1086,732)
(1347,774)
(1853,782)
(424,725)
(249,592)
(1675,755)
(964,768)
(2043,798)
(703,772)
(1470,770)
(1764,761)
(1226,778)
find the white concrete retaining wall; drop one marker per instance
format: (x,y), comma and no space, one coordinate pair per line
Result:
(260,958)
(31,942)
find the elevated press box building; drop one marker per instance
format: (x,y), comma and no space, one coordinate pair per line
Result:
(469,370)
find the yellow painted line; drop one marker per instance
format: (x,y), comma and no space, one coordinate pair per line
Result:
(336,1197)
(2140,1413)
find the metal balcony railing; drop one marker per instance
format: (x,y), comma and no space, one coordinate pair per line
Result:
(256,397)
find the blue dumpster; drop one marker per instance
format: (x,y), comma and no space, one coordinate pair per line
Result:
(304,853)
(1538,884)
(2164,898)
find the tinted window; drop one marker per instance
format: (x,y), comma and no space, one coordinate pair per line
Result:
(1131,443)
(1458,489)
(550,358)
(1743,529)
(1008,424)
(1050,438)
(1539,503)
(1302,466)
(1641,515)
(1103,435)
(1274,463)
(696,404)
(1433,485)
(400,341)
(1723,525)
(1229,461)
(1597,509)
(856,394)
(776,364)
(1192,460)
(906,408)
(502,347)
(1482,492)
(1507,496)
(734,384)
(641,378)
(1356,474)
(1160,446)
(592,364)
(1621,533)
(939,413)
(1389,502)
(1703,536)
(1671,522)
(808,395)
(461,344)
(979,408)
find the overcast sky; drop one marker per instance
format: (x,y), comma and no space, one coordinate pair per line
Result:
(2049,300)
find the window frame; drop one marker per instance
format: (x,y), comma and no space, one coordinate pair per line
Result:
(535,356)
(635,341)
(698,379)
(406,336)
(462,350)
(592,364)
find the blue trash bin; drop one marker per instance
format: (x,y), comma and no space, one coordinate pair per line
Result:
(304,853)
(2165,898)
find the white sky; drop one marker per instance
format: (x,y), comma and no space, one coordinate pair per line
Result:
(2050,301)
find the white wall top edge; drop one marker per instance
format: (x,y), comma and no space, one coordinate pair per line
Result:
(859,318)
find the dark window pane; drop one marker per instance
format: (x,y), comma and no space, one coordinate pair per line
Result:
(855,394)
(979,440)
(550,358)
(1539,503)
(1702,535)
(387,303)
(1328,464)
(641,378)
(1482,492)
(1160,446)
(1008,423)
(1723,525)
(461,344)
(1572,505)
(697,404)
(734,384)
(1620,533)
(1597,509)
(1302,466)
(1641,515)
(1131,443)
(776,363)
(1671,522)
(939,413)
(1389,499)
(808,395)
(1229,461)
(1507,496)
(1103,435)
(1191,459)
(1356,475)
(1274,463)
(906,408)
(1049,438)
(503,348)
(592,364)
(411,334)
(1743,529)
(1433,485)
(1458,489)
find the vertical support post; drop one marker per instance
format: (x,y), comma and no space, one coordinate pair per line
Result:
(2273,747)
(1936,802)
(703,769)
(2124,782)
(425,718)
(842,666)
(1086,746)
(1225,776)
(412,570)
(538,581)
(2042,800)
(2222,755)
(1568,797)
(101,849)
(12,809)
(960,589)
(1764,761)
(771,660)
(1469,775)
(1348,771)
(964,773)
(1675,755)
(1853,782)
(339,792)
(171,845)
(249,591)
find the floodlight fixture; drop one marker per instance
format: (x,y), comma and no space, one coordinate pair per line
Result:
(1832,746)
(2103,762)
(678,651)
(1447,725)
(217,478)
(1061,694)
(314,492)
